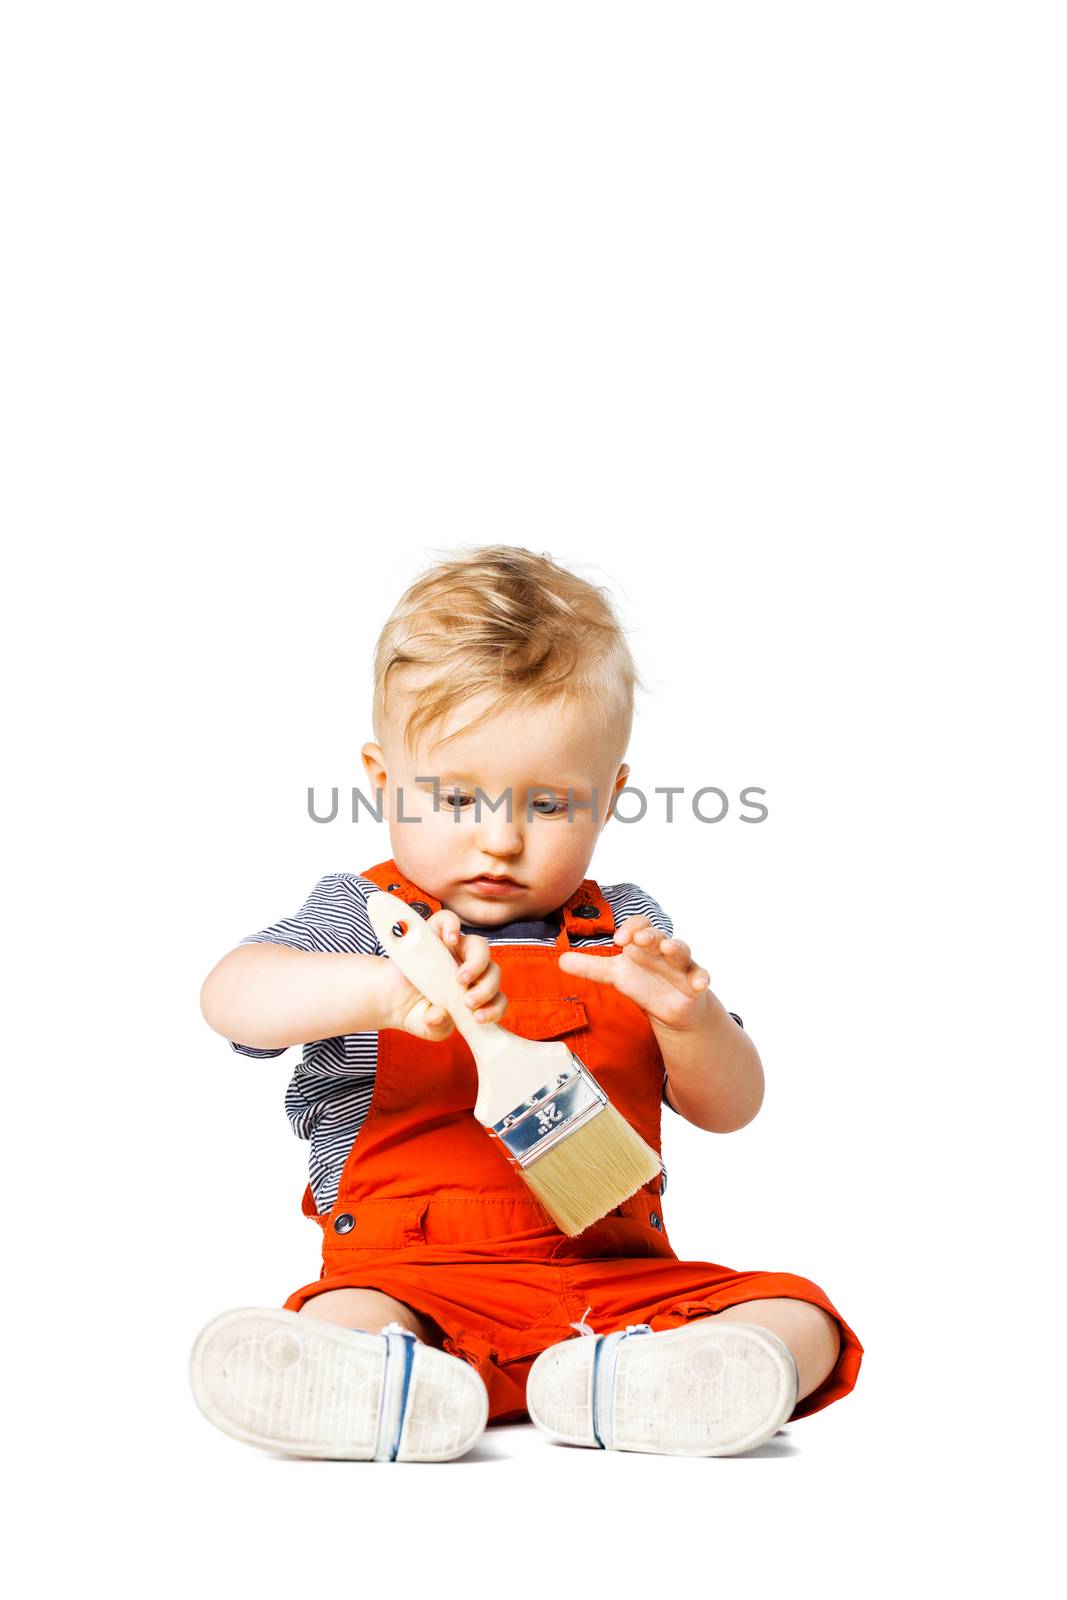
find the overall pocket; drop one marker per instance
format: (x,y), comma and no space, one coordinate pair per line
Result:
(537,1017)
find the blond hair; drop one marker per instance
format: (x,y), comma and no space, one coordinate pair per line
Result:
(511,623)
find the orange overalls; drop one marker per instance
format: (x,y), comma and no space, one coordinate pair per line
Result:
(431,1211)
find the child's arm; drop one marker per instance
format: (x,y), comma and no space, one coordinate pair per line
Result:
(271,996)
(714,1073)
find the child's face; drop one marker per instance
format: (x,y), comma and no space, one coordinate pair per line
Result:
(544,749)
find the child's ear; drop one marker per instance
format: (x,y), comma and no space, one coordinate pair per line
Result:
(620,783)
(373,758)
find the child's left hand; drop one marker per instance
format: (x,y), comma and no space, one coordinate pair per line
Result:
(654,971)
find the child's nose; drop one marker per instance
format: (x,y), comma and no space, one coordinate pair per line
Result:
(498,836)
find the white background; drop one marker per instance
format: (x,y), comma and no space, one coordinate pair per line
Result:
(755,314)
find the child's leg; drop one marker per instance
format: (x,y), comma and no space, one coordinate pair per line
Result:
(370,1309)
(808,1330)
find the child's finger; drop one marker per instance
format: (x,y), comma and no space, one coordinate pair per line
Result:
(493,1010)
(676,951)
(474,955)
(486,988)
(583,966)
(448,925)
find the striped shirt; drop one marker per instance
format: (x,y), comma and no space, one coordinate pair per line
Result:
(330,1091)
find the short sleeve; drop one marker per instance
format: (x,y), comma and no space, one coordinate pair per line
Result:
(333,918)
(629,900)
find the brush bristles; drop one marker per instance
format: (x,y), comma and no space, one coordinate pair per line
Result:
(592,1171)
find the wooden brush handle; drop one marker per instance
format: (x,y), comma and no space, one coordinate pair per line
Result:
(425,962)
(510,1068)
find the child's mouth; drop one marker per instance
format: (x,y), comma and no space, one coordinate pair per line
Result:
(493,886)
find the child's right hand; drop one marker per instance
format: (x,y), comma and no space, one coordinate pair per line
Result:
(404,1007)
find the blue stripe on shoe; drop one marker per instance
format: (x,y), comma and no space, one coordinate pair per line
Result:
(599,1337)
(613,1341)
(409,1357)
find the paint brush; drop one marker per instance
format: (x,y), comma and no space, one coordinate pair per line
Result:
(576,1152)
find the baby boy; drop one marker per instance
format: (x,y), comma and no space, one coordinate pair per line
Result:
(447,1298)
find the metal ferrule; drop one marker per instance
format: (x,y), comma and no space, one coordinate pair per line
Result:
(565,1103)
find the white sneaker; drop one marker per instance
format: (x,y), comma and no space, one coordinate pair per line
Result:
(310,1388)
(706,1388)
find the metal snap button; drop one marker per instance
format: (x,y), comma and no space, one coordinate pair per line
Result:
(587,913)
(393,887)
(656,1223)
(344,1223)
(421,907)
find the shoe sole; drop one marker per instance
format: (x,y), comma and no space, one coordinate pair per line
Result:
(702,1389)
(304,1387)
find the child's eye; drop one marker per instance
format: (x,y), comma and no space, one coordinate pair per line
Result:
(460,802)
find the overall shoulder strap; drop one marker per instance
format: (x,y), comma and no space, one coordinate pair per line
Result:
(587,912)
(388,876)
